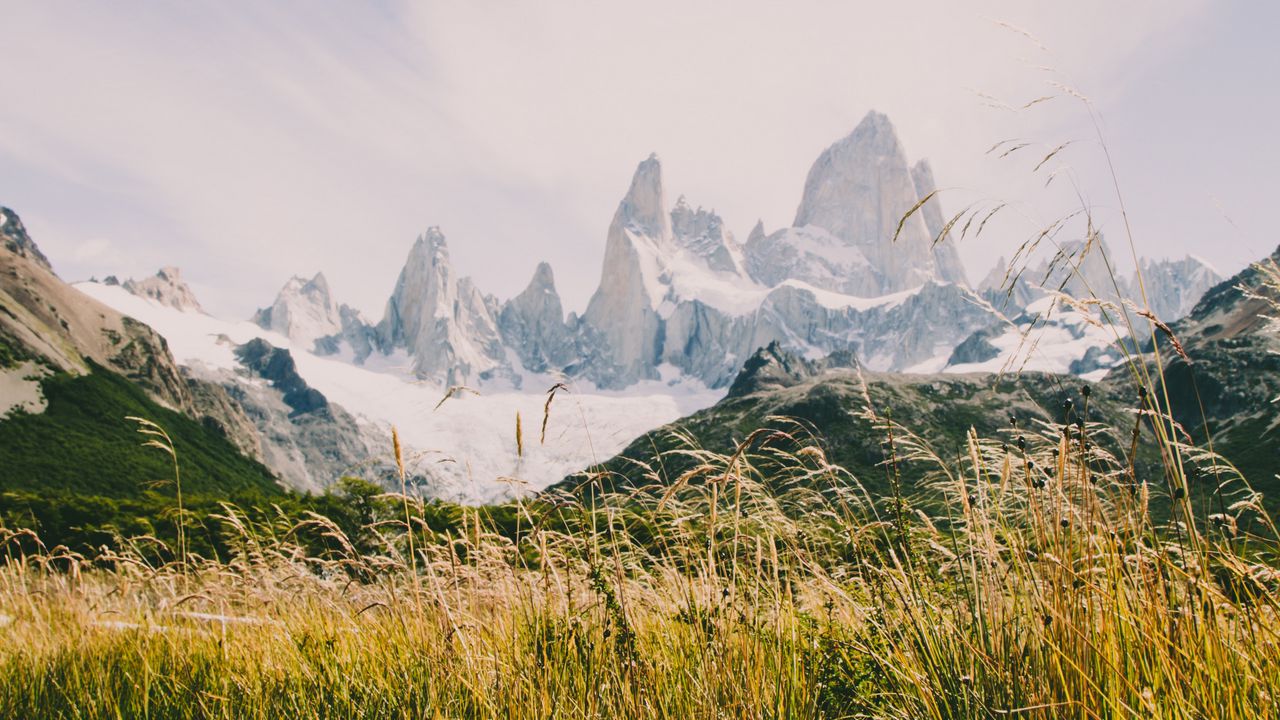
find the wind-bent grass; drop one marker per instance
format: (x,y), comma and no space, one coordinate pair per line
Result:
(761,583)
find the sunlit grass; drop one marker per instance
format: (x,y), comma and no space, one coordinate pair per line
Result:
(761,583)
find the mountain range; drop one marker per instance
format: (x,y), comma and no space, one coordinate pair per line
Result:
(677,289)
(1220,368)
(867,270)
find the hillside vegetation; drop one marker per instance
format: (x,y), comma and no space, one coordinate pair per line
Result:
(83,442)
(763,583)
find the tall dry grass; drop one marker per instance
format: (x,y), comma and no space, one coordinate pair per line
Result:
(761,583)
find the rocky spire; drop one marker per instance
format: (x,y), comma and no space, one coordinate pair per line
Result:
(423,291)
(1173,286)
(995,278)
(167,288)
(16,239)
(443,322)
(644,209)
(945,255)
(858,190)
(304,311)
(702,233)
(532,323)
(1081,269)
(622,312)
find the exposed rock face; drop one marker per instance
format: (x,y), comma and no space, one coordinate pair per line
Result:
(895,333)
(1227,391)
(1239,307)
(309,441)
(676,289)
(623,310)
(814,256)
(443,322)
(167,288)
(532,323)
(702,233)
(67,328)
(1080,269)
(945,255)
(276,366)
(1006,289)
(1173,287)
(858,190)
(71,331)
(17,241)
(303,311)
(221,413)
(772,367)
(1060,338)
(976,348)
(357,336)
(1085,270)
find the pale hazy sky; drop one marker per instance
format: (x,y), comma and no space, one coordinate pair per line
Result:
(250,141)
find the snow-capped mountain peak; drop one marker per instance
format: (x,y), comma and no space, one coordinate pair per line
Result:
(442,321)
(303,311)
(843,237)
(167,288)
(643,210)
(703,234)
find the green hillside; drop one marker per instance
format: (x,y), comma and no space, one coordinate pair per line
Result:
(83,442)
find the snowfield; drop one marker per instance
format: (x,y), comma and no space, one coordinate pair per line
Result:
(467,445)
(1058,337)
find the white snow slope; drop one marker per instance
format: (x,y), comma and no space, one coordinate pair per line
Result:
(467,446)
(1049,337)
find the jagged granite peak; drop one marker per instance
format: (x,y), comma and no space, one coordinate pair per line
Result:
(976,348)
(996,277)
(945,255)
(1045,332)
(858,190)
(72,331)
(17,241)
(167,288)
(702,233)
(424,289)
(843,238)
(1081,269)
(533,324)
(811,255)
(1242,305)
(357,335)
(623,310)
(1006,289)
(1173,287)
(664,300)
(444,323)
(644,207)
(304,311)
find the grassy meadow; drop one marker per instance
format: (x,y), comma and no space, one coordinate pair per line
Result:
(761,583)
